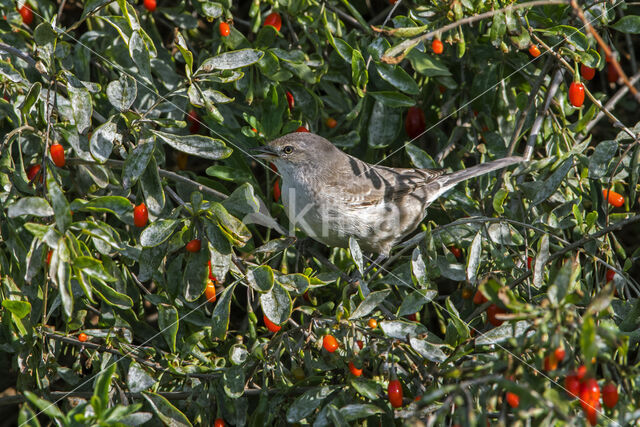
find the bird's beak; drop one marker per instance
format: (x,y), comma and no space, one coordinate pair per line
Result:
(264,152)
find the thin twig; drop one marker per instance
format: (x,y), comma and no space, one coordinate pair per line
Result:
(396,54)
(537,124)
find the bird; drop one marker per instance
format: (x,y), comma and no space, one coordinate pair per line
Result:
(333,196)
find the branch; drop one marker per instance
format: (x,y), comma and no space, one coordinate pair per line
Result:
(397,54)
(606,49)
(610,104)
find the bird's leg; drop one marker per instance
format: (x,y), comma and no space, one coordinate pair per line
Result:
(376,262)
(355,276)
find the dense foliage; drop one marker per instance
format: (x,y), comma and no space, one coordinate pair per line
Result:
(147,270)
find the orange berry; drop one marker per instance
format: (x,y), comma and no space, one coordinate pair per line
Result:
(492,311)
(224,29)
(82,337)
(210,291)
(274,20)
(513,399)
(455,251)
(355,371)
(276,190)
(331,122)
(534,51)
(302,129)
(576,94)
(330,343)
(219,422)
(150,5)
(437,46)
(614,199)
(290,101)
(479,298)
(373,323)
(559,353)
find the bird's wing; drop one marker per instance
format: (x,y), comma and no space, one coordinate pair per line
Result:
(363,185)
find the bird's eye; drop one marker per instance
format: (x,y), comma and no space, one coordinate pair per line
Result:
(288,149)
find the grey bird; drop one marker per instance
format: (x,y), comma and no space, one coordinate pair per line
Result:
(333,196)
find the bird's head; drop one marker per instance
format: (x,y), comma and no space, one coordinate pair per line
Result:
(297,150)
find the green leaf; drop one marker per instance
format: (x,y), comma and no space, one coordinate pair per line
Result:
(231,60)
(233,228)
(304,405)
(136,163)
(366,387)
(588,342)
(400,330)
(473,261)
(419,157)
(369,304)
(552,183)
(503,333)
(36,206)
(80,99)
(220,318)
(116,205)
(168,324)
(91,6)
(428,350)
(168,414)
(157,232)
(233,381)
(260,278)
(111,296)
(92,267)
(629,24)
(122,92)
(276,304)
(187,55)
(138,379)
(356,254)
(398,78)
(359,73)
(601,157)
(31,98)
(356,411)
(59,202)
(101,142)
(103,381)
(393,99)
(48,408)
(152,188)
(384,125)
(195,275)
(139,53)
(212,10)
(426,65)
(197,145)
(413,302)
(19,308)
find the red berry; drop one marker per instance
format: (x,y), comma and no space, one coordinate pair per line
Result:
(330,343)
(610,275)
(479,298)
(513,399)
(302,129)
(414,123)
(150,5)
(437,46)
(614,199)
(224,29)
(612,74)
(211,276)
(49,254)
(492,311)
(276,190)
(455,251)
(576,94)
(373,323)
(587,73)
(395,393)
(534,51)
(355,371)
(610,395)
(219,422)
(331,122)
(210,291)
(589,392)
(582,371)
(57,155)
(270,325)
(193,246)
(140,215)
(412,317)
(572,384)
(290,101)
(194,121)
(559,353)
(33,171)
(82,337)
(26,13)
(360,344)
(274,20)
(529,262)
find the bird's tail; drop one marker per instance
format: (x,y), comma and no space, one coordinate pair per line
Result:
(448,181)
